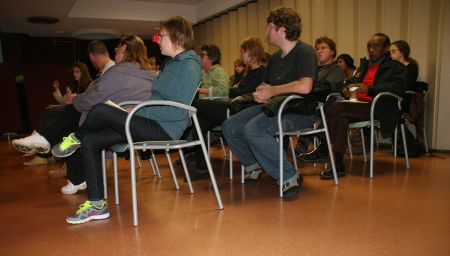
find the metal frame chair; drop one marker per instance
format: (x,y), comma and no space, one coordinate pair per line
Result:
(372,123)
(132,146)
(281,133)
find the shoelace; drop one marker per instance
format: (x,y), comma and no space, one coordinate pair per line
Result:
(84,206)
(67,142)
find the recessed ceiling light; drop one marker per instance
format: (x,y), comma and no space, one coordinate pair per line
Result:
(96,33)
(42,20)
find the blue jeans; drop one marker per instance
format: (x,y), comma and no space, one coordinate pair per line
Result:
(250,135)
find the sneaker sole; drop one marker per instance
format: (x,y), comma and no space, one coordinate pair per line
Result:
(23,148)
(294,191)
(339,174)
(83,188)
(94,217)
(58,154)
(312,160)
(291,193)
(42,150)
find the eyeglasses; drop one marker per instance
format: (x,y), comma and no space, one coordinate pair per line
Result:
(117,48)
(393,50)
(160,36)
(202,54)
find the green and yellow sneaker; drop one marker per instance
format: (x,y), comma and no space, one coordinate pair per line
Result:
(89,211)
(67,147)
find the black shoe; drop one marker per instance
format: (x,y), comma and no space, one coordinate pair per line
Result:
(146,155)
(188,157)
(314,156)
(291,188)
(327,174)
(199,175)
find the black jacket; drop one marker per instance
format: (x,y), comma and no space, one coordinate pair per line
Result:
(391,77)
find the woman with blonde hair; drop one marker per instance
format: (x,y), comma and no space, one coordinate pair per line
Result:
(105,124)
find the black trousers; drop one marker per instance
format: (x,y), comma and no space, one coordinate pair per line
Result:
(104,127)
(210,113)
(339,116)
(64,121)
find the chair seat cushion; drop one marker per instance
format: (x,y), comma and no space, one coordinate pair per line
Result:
(122,147)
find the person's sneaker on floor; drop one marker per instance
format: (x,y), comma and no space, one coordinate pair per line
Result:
(58,173)
(292,187)
(327,174)
(316,155)
(38,160)
(71,189)
(33,143)
(253,176)
(89,210)
(67,147)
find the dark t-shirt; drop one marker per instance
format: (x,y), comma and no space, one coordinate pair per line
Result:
(249,82)
(300,62)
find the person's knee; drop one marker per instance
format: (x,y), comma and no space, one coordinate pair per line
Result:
(99,108)
(90,143)
(335,109)
(228,128)
(252,132)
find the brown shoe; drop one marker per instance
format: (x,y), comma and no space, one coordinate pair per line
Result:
(58,173)
(37,160)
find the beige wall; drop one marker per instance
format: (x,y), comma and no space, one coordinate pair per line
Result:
(425,24)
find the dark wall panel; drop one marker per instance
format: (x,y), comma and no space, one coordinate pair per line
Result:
(9,102)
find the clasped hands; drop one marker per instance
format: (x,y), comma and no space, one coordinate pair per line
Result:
(263,93)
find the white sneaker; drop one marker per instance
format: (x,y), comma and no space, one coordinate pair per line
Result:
(34,142)
(71,189)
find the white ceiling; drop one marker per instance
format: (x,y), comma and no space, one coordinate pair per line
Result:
(102,18)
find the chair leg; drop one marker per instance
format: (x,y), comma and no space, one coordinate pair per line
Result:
(242,174)
(116,178)
(371,149)
(395,142)
(223,147)
(349,145)
(377,137)
(363,144)
(291,142)
(155,164)
(174,176)
(105,183)
(186,173)
(405,146)
(425,142)
(208,138)
(138,158)
(330,150)
(281,164)
(133,188)
(211,173)
(231,164)
(152,166)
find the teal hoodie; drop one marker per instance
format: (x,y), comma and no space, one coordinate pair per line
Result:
(178,81)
